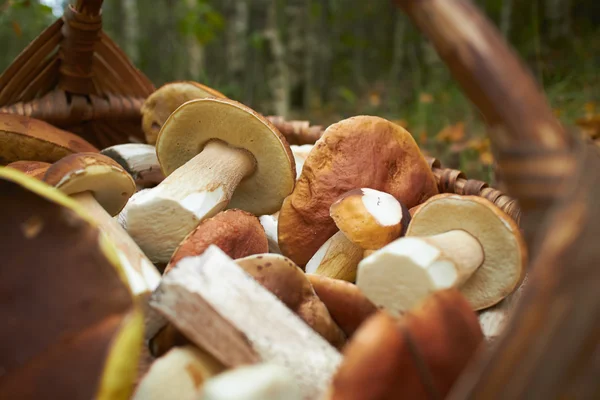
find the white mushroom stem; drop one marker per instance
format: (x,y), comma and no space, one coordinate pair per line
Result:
(337,258)
(269,223)
(407,270)
(158,219)
(142,275)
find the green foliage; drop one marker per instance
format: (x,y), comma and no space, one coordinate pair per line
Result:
(202,21)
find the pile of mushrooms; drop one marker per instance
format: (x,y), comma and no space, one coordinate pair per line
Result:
(219,262)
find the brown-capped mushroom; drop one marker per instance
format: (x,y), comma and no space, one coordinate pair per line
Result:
(368,219)
(25,138)
(238,233)
(102,187)
(139,160)
(35,169)
(346,303)
(262,381)
(418,356)
(71,328)
(452,241)
(300,153)
(215,153)
(160,105)
(362,151)
(178,375)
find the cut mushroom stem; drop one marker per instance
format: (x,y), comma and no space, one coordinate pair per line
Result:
(337,258)
(462,242)
(196,191)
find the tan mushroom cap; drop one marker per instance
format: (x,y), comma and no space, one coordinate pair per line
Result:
(421,353)
(160,104)
(505,254)
(286,280)
(370,218)
(362,151)
(238,233)
(25,138)
(196,122)
(71,328)
(92,172)
(35,169)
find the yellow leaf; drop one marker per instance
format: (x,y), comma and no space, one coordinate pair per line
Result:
(590,108)
(374,99)
(17,28)
(486,158)
(425,98)
(402,122)
(452,133)
(423,137)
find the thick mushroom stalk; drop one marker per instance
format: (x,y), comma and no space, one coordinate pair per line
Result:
(462,242)
(419,266)
(196,191)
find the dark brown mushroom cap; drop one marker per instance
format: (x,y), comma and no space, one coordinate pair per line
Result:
(418,356)
(359,152)
(238,233)
(160,104)
(70,329)
(346,303)
(25,138)
(35,169)
(110,184)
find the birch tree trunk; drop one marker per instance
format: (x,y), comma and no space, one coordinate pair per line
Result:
(279,81)
(236,39)
(195,50)
(506,17)
(131,29)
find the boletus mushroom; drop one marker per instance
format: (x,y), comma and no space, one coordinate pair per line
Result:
(362,151)
(464,242)
(418,356)
(102,188)
(166,99)
(368,219)
(71,328)
(178,375)
(214,153)
(238,233)
(25,138)
(139,160)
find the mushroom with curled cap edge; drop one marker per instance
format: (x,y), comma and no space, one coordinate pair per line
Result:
(72,328)
(25,138)
(417,356)
(102,187)
(368,219)
(457,241)
(357,152)
(139,160)
(161,103)
(178,375)
(214,153)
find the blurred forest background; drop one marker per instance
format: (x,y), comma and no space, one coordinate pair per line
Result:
(325,60)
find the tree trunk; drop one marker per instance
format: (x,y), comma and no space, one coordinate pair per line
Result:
(131,29)
(505,17)
(279,81)
(236,39)
(195,50)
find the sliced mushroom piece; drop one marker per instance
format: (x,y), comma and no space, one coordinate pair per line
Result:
(255,382)
(178,375)
(288,282)
(464,242)
(362,151)
(418,356)
(25,138)
(102,187)
(216,153)
(368,219)
(223,310)
(238,233)
(35,169)
(346,303)
(71,328)
(160,105)
(139,160)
